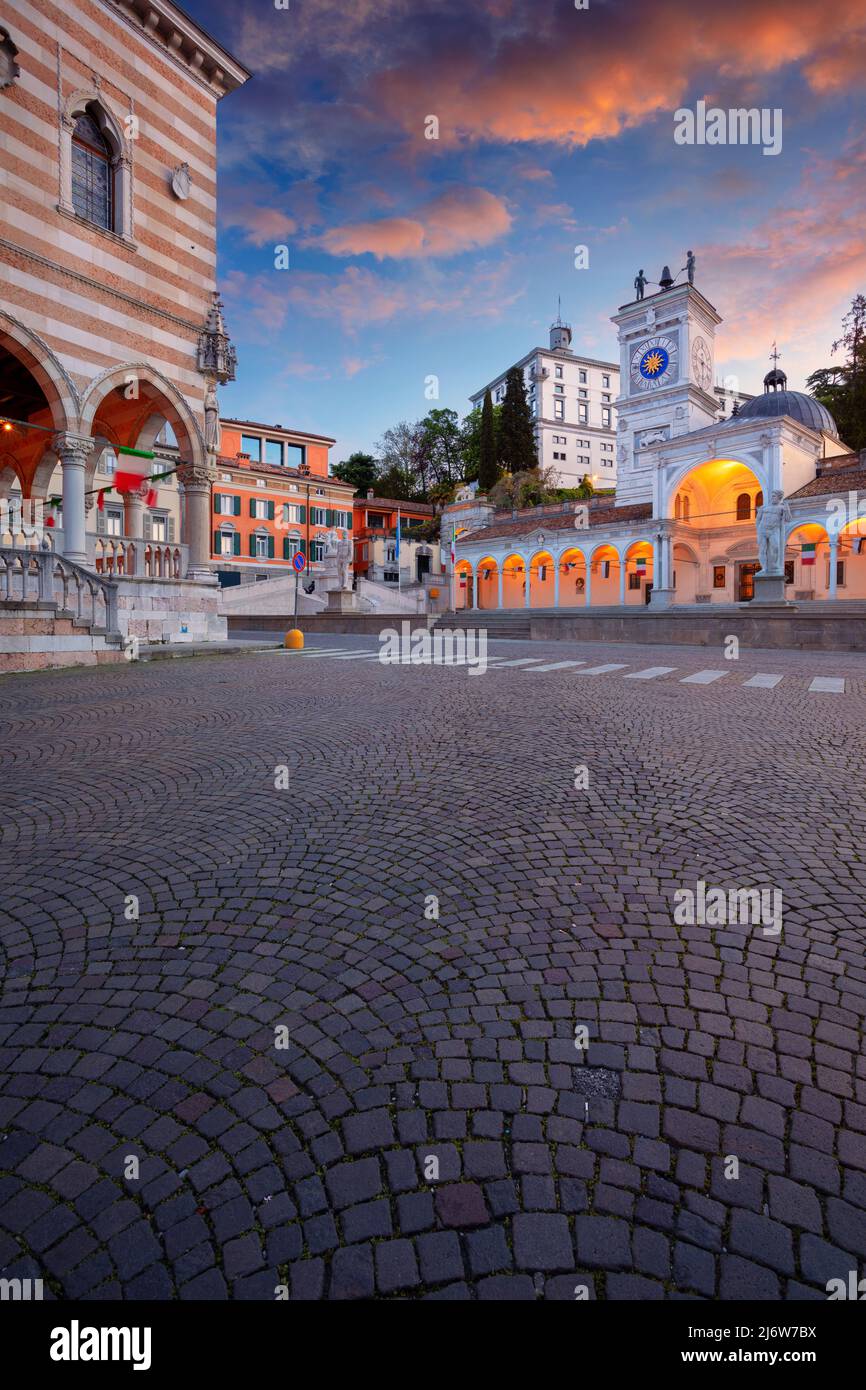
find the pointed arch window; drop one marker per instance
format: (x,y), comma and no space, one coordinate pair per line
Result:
(759,500)
(744,507)
(92,172)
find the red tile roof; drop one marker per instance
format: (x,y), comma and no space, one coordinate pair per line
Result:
(605,514)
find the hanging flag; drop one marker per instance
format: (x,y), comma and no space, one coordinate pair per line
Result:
(640,565)
(128,482)
(150,497)
(807,553)
(100,499)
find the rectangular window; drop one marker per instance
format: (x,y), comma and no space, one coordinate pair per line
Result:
(605,396)
(317,549)
(581,376)
(557,387)
(259,508)
(113,522)
(634,581)
(583,414)
(108,463)
(252,445)
(605,381)
(319,516)
(375,520)
(291,512)
(605,417)
(558,371)
(274,452)
(584,395)
(559,410)
(789,571)
(159,528)
(296,455)
(719,580)
(840,574)
(227,546)
(261,547)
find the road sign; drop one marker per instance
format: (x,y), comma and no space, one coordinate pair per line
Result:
(299,561)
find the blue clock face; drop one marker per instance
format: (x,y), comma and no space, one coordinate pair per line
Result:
(654,363)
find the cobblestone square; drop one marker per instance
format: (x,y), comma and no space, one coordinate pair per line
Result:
(323,1040)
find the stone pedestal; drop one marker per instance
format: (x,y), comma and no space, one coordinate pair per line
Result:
(662,598)
(769,588)
(342,601)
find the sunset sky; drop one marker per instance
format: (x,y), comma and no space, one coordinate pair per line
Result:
(412,257)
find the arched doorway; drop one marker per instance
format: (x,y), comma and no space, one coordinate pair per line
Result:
(542,580)
(464,585)
(712,545)
(487,580)
(808,563)
(638,562)
(572,579)
(604,572)
(851,560)
(514,582)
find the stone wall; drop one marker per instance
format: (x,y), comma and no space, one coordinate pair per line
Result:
(170,610)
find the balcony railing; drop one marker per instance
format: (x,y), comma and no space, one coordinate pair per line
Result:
(40,576)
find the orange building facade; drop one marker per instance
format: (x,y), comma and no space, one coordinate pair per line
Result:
(273,497)
(376,554)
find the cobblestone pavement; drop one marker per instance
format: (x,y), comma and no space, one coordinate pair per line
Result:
(268,915)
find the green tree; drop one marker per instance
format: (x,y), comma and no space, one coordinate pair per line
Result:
(359,469)
(443,445)
(842,389)
(516,433)
(471,441)
(488,446)
(404,463)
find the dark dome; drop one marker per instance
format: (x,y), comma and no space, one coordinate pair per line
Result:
(802,408)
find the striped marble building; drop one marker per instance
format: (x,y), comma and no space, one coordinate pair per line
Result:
(111,332)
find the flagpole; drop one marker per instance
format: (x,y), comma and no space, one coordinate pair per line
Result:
(398,553)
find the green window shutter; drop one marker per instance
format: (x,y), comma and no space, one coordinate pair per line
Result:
(236,506)
(171,528)
(329,517)
(303,514)
(348,521)
(253,546)
(236,543)
(286,555)
(270,547)
(270,511)
(252,506)
(216,542)
(100,523)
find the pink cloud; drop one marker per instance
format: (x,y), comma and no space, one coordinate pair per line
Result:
(457,220)
(260,226)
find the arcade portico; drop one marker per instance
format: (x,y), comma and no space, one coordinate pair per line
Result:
(692,497)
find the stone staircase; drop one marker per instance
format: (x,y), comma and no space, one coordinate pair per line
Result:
(54,612)
(497,623)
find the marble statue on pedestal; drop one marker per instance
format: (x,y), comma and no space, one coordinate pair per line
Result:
(771,522)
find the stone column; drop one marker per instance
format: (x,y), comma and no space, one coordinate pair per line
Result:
(662,595)
(73,451)
(834,553)
(587,596)
(500,579)
(197,480)
(527,597)
(556,567)
(621,580)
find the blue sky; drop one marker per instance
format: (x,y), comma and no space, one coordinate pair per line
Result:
(412,257)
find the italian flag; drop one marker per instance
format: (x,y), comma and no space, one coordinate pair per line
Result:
(807,553)
(640,565)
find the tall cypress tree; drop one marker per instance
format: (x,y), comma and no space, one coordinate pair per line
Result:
(488,464)
(517,436)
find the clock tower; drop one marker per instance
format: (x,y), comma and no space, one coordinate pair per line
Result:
(667,375)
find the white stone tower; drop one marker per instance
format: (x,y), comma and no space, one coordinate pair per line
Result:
(667,375)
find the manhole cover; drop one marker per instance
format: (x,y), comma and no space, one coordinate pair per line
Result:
(598,1081)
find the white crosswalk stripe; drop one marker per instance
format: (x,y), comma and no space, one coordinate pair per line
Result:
(830,685)
(762,681)
(553,666)
(358,656)
(650,673)
(521,661)
(603,670)
(320,651)
(703,677)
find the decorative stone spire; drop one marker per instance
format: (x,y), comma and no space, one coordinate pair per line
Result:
(216,356)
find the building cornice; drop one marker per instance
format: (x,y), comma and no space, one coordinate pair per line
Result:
(179,38)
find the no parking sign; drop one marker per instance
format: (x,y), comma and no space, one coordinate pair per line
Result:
(299,561)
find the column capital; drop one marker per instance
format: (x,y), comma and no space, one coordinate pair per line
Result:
(197,475)
(72,448)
